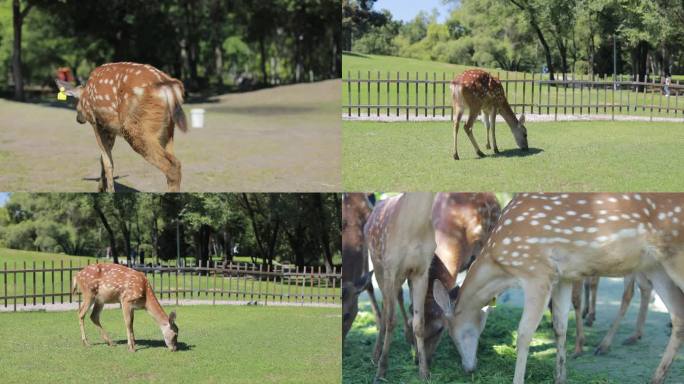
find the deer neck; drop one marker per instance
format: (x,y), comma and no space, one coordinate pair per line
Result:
(155,309)
(483,282)
(507,113)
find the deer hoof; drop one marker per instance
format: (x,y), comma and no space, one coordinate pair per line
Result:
(456,156)
(479,153)
(601,350)
(488,146)
(496,150)
(576,354)
(85,343)
(131,349)
(631,340)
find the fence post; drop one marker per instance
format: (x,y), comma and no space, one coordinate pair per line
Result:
(71,299)
(5,283)
(358,93)
(532,94)
(434,93)
(349,94)
(652,97)
(555,117)
(523,100)
(368,87)
(389,77)
(417,82)
(15,286)
(34,283)
(398,91)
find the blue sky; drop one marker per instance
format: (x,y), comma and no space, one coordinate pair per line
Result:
(407,9)
(3,198)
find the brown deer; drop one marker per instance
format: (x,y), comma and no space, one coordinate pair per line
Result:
(401,242)
(544,242)
(355,276)
(138,102)
(462,223)
(478,91)
(113,283)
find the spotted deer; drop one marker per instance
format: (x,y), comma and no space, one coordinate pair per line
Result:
(113,283)
(462,223)
(138,102)
(477,90)
(401,242)
(355,275)
(545,242)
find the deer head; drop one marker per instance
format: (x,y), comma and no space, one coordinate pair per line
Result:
(350,296)
(464,327)
(520,133)
(170,332)
(76,93)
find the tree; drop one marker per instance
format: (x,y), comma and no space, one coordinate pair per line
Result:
(18,16)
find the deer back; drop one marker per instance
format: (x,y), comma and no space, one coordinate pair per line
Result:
(111,283)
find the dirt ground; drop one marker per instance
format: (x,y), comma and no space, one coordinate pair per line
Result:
(280,139)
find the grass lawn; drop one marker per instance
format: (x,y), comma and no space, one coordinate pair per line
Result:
(202,286)
(496,352)
(563,156)
(374,67)
(220,344)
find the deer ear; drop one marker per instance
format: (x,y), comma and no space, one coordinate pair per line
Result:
(75,92)
(172,317)
(522,119)
(442,298)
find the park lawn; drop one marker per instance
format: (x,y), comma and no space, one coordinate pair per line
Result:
(217,344)
(375,66)
(496,353)
(202,286)
(563,156)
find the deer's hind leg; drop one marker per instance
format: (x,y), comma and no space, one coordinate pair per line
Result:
(95,317)
(82,311)
(128,319)
(492,124)
(468,127)
(485,119)
(457,122)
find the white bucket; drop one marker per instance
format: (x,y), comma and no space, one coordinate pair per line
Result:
(197,117)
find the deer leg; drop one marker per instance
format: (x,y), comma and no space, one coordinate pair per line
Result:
(128,319)
(408,332)
(388,321)
(374,304)
(645,288)
(492,123)
(105,141)
(468,128)
(591,304)
(536,298)
(156,155)
(457,122)
(419,288)
(485,119)
(95,318)
(85,305)
(673,298)
(561,297)
(579,326)
(627,295)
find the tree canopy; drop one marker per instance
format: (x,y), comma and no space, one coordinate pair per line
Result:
(205,43)
(302,229)
(525,35)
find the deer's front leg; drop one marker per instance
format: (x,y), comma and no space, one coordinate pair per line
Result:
(419,285)
(485,118)
(492,124)
(536,298)
(627,295)
(468,127)
(105,141)
(562,295)
(128,319)
(85,305)
(457,122)
(579,326)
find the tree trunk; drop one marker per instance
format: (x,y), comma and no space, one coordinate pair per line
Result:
(108,228)
(533,22)
(262,51)
(323,232)
(18,16)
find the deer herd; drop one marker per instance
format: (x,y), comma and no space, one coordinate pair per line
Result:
(552,245)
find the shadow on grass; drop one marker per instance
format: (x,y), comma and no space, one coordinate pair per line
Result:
(145,344)
(118,187)
(356,54)
(265,110)
(519,152)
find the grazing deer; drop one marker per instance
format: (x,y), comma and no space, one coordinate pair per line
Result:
(462,223)
(401,242)
(544,242)
(355,276)
(113,283)
(478,91)
(138,102)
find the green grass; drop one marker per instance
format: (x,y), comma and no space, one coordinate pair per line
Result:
(218,344)
(497,353)
(374,67)
(563,156)
(166,286)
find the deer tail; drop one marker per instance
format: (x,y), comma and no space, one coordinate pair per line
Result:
(174,100)
(74,286)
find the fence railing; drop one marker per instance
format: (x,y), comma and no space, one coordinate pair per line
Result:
(40,283)
(428,95)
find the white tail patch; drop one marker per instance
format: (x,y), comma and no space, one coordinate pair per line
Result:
(456,94)
(138,91)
